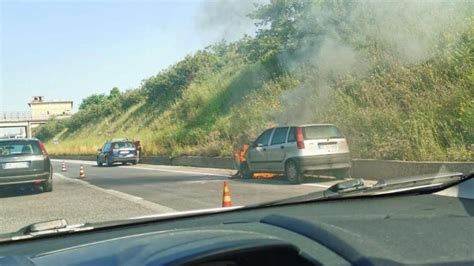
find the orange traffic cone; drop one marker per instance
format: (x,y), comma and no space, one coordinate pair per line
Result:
(226,200)
(81,172)
(63,168)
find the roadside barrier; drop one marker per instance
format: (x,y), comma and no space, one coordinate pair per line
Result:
(361,168)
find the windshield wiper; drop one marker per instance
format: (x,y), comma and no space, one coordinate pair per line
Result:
(61,226)
(53,227)
(361,187)
(346,186)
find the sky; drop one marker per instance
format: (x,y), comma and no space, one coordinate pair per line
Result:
(70,49)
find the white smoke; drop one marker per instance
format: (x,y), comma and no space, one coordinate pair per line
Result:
(227,19)
(410,32)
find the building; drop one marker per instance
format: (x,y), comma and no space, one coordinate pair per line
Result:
(43,110)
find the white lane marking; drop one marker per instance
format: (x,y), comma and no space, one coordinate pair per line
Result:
(144,203)
(74,161)
(316,185)
(201,182)
(147,168)
(177,171)
(116,192)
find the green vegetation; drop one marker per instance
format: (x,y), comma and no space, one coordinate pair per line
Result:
(397,78)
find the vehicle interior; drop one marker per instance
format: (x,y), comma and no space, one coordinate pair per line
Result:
(355,231)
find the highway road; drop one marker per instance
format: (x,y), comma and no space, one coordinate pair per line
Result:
(121,192)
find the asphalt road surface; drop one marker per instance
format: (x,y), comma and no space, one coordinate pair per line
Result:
(121,192)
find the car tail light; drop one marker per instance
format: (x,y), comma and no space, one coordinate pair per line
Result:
(299,138)
(43,150)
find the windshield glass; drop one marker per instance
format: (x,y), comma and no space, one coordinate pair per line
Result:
(159,107)
(121,145)
(322,132)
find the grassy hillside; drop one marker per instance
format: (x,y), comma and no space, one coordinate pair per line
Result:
(409,100)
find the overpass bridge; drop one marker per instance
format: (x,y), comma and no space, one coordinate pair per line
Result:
(21,120)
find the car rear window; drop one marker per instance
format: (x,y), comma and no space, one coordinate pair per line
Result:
(321,132)
(121,145)
(16,148)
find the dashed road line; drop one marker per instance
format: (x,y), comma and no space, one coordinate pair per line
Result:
(121,194)
(178,171)
(200,182)
(140,201)
(74,161)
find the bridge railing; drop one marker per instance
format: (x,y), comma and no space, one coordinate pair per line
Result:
(15,116)
(26,116)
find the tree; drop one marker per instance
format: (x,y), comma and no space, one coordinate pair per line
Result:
(114,93)
(278,23)
(94,99)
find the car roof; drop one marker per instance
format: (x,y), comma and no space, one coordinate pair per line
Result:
(23,139)
(120,140)
(305,125)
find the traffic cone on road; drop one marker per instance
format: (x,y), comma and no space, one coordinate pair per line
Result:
(226,200)
(81,172)
(63,168)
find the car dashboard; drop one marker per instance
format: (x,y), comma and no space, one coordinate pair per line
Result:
(410,229)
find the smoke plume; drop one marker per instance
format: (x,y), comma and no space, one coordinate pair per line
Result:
(227,19)
(409,32)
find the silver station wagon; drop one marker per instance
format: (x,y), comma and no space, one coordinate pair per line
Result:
(296,150)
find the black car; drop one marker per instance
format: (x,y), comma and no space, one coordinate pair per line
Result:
(25,162)
(114,151)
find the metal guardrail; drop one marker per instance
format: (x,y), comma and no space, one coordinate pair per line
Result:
(15,116)
(21,116)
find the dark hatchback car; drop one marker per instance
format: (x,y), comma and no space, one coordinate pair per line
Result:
(117,151)
(25,162)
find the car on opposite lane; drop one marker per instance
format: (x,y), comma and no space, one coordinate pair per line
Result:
(117,150)
(25,162)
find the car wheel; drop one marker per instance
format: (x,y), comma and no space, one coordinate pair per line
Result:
(135,162)
(107,162)
(99,163)
(342,173)
(245,170)
(48,185)
(293,173)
